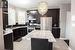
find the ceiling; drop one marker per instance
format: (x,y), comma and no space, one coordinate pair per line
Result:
(34,3)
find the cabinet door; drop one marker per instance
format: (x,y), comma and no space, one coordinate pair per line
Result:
(39,44)
(23,31)
(18,33)
(5,13)
(8,41)
(5,20)
(56,32)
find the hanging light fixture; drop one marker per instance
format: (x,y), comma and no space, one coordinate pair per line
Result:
(43,7)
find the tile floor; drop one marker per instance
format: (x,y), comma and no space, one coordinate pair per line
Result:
(25,44)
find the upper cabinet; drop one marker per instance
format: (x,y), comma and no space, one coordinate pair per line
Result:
(55,14)
(5,3)
(5,13)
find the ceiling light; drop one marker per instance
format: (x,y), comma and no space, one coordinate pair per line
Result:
(43,7)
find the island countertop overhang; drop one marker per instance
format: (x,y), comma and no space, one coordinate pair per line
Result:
(41,34)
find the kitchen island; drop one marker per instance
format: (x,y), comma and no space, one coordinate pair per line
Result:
(41,39)
(43,34)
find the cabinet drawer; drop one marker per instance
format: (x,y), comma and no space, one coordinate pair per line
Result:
(8,41)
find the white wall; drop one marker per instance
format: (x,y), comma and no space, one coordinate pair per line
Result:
(11,16)
(16,15)
(21,16)
(64,8)
(68,25)
(1,30)
(72,37)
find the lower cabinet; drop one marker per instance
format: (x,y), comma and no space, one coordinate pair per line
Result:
(56,32)
(19,32)
(8,41)
(67,41)
(41,44)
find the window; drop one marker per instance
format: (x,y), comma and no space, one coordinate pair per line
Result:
(21,16)
(11,16)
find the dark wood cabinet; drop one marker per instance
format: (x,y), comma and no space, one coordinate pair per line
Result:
(8,41)
(40,44)
(56,32)
(5,13)
(19,32)
(5,3)
(55,14)
(5,20)
(67,41)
